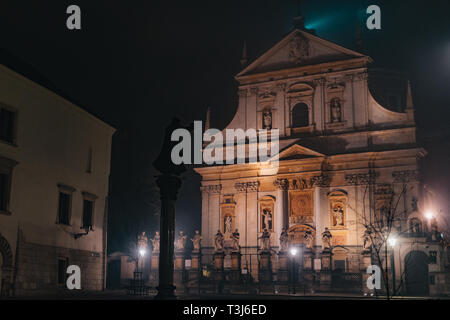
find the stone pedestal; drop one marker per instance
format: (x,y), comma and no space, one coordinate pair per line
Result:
(218,266)
(265,267)
(179,270)
(235,273)
(195,258)
(154,272)
(308,260)
(326,260)
(282,272)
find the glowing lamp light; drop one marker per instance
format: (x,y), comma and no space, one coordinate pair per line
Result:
(142,252)
(293,252)
(429,215)
(392,241)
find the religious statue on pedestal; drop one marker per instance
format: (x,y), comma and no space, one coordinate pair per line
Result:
(142,241)
(180,244)
(326,239)
(155,242)
(335,106)
(218,241)
(308,239)
(265,237)
(235,238)
(197,241)
(284,240)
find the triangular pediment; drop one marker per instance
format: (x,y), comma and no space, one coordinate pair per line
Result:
(298,49)
(295,152)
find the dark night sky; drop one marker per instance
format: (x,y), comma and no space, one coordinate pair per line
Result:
(135,64)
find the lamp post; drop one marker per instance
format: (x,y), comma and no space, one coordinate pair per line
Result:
(293,252)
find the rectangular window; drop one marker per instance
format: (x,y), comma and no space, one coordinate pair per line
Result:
(65,201)
(62,268)
(432,280)
(88,210)
(7,122)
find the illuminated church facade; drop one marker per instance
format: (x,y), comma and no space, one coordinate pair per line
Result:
(343,159)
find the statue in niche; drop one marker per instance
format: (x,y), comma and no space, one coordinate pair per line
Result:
(180,244)
(267,119)
(228,224)
(265,237)
(414,204)
(308,239)
(284,240)
(197,241)
(367,240)
(338,215)
(335,108)
(326,239)
(235,238)
(267,219)
(218,241)
(156,242)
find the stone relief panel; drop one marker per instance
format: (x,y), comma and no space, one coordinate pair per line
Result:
(301,206)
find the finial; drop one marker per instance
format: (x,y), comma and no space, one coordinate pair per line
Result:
(244,55)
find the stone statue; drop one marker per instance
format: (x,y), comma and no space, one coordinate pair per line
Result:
(235,238)
(228,224)
(267,219)
(218,241)
(142,241)
(267,119)
(284,240)
(308,239)
(155,242)
(338,213)
(163,162)
(335,107)
(265,237)
(197,241)
(367,240)
(326,239)
(181,241)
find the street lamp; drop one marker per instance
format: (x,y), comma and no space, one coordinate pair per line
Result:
(142,252)
(293,252)
(392,241)
(429,215)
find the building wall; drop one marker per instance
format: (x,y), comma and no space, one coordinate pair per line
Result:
(53,139)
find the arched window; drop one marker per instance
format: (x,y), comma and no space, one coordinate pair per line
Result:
(300,115)
(415,226)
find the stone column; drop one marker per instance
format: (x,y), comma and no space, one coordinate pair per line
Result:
(218,265)
(235,266)
(169,186)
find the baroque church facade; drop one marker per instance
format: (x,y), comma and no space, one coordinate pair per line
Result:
(343,159)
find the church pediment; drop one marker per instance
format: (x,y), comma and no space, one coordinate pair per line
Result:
(296,152)
(298,49)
